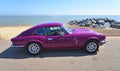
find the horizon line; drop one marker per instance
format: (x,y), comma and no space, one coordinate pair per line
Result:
(66,15)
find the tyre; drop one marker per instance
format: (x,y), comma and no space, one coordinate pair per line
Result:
(34,48)
(91,46)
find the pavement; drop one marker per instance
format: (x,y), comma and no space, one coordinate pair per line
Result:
(16,59)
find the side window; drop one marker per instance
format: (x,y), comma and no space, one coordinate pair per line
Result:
(40,31)
(53,31)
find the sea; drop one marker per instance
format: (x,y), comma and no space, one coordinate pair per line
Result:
(21,20)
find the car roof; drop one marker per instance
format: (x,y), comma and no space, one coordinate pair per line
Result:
(48,24)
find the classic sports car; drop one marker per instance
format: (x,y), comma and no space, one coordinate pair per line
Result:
(57,36)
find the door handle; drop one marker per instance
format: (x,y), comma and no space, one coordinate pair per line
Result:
(50,38)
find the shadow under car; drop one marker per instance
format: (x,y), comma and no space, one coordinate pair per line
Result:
(20,53)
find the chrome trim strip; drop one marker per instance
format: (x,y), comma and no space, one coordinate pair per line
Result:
(16,46)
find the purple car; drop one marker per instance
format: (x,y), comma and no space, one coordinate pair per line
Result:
(57,36)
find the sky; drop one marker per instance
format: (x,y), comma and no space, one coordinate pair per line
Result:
(59,7)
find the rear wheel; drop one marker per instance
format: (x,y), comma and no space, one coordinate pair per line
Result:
(34,48)
(91,46)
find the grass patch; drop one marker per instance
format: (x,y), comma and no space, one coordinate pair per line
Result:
(0,37)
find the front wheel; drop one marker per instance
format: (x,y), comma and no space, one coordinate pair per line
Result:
(34,48)
(91,46)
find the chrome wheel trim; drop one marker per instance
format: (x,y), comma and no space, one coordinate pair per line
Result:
(34,48)
(91,47)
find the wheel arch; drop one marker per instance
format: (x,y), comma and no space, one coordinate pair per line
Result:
(34,41)
(89,39)
(93,38)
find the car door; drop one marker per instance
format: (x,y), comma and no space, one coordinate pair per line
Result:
(56,40)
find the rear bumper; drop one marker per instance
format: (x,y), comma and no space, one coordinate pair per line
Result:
(15,46)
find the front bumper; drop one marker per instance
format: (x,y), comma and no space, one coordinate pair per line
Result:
(15,46)
(103,41)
